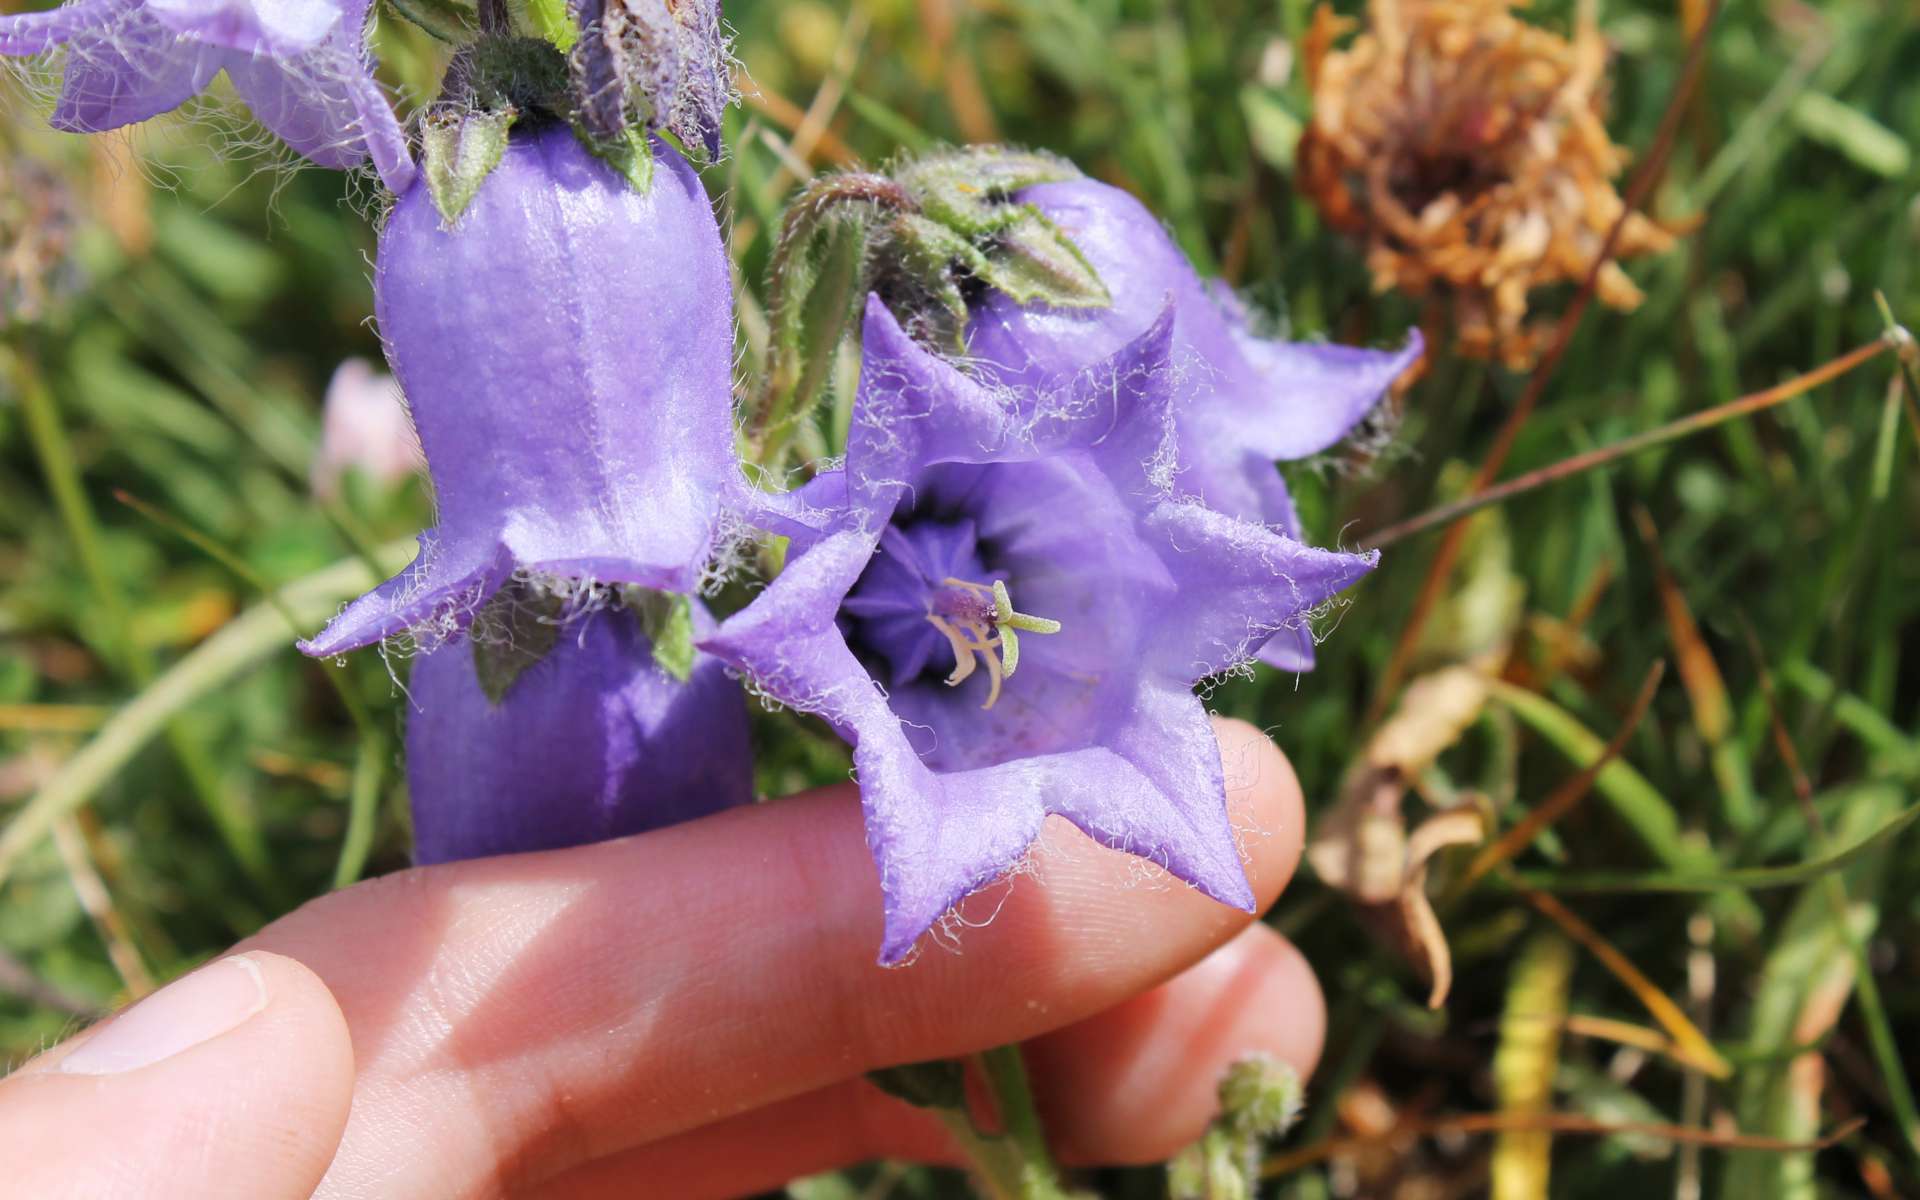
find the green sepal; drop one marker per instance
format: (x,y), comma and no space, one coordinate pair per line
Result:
(454,21)
(458,151)
(630,153)
(917,238)
(1034,262)
(941,1083)
(931,257)
(514,630)
(667,620)
(818,299)
(961,187)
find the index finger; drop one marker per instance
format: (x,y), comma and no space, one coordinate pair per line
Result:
(521,1015)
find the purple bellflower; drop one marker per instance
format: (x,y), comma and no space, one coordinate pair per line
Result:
(1242,402)
(300,65)
(998,601)
(567,351)
(593,741)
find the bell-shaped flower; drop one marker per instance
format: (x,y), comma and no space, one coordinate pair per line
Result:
(591,740)
(566,348)
(999,602)
(301,66)
(1242,401)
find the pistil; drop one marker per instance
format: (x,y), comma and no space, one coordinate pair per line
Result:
(984,634)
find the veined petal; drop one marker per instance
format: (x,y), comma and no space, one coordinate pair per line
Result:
(915,409)
(566,350)
(1235,394)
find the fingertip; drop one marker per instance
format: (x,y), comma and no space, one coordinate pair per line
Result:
(1265,804)
(1138,1082)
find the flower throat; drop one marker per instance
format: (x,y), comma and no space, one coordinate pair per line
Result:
(926,591)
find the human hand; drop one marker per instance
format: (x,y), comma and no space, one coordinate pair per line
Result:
(685,1013)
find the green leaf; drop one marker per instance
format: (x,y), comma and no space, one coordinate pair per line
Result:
(448,20)
(1272,127)
(941,1083)
(512,631)
(1863,140)
(928,251)
(667,620)
(458,152)
(548,20)
(1638,803)
(1744,878)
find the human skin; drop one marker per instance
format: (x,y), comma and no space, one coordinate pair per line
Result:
(691,1009)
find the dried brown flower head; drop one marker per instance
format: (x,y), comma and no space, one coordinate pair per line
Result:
(1466,146)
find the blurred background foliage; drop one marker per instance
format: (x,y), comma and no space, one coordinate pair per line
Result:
(173,774)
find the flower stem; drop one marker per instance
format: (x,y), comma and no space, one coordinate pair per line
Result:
(1006,1074)
(996,1162)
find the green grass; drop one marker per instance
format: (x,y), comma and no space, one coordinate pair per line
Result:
(237,779)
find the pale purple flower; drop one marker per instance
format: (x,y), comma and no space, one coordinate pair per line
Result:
(364,427)
(301,66)
(1242,401)
(567,351)
(593,741)
(1058,492)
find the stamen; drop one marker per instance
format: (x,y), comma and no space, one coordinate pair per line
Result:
(989,637)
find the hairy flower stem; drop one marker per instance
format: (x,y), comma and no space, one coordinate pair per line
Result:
(996,1162)
(1006,1074)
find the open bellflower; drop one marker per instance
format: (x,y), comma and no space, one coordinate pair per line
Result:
(1242,401)
(593,741)
(301,66)
(1000,604)
(566,347)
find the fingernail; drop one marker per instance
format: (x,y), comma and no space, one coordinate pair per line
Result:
(180,1016)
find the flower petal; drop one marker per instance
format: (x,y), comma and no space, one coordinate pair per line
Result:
(128,72)
(1240,584)
(914,409)
(1169,806)
(280,28)
(39,32)
(1302,397)
(442,588)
